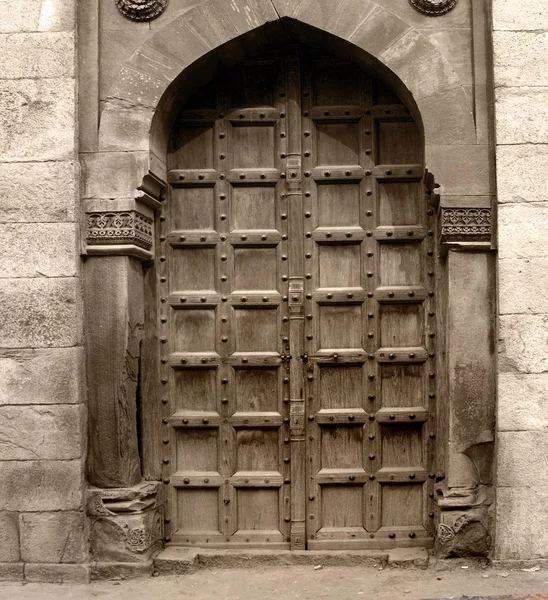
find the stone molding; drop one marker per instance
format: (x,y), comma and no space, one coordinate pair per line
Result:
(465,225)
(141,10)
(119,228)
(433,8)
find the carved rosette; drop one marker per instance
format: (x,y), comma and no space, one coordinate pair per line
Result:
(465,225)
(141,10)
(433,8)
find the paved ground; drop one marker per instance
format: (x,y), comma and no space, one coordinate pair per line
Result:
(302,583)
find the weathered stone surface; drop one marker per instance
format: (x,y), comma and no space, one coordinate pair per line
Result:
(37,55)
(342,18)
(38,119)
(35,432)
(529,160)
(113,174)
(51,573)
(456,47)
(472,178)
(379,31)
(522,230)
(408,558)
(520,58)
(522,514)
(523,15)
(38,15)
(9,538)
(57,537)
(11,571)
(46,376)
(124,128)
(522,400)
(114,570)
(37,192)
(523,343)
(30,486)
(39,312)
(522,115)
(38,250)
(459,17)
(448,120)
(522,458)
(523,284)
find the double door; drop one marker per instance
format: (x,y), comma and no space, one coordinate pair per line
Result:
(297,313)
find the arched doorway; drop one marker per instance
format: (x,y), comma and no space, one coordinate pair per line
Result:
(297,302)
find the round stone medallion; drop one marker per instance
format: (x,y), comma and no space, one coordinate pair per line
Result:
(141,10)
(433,8)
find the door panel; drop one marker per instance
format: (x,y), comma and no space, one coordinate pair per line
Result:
(298,412)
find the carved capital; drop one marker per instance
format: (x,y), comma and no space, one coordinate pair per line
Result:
(465,225)
(119,228)
(141,10)
(433,8)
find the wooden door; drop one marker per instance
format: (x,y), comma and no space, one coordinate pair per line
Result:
(295,295)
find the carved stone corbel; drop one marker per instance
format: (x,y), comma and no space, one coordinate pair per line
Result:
(465,228)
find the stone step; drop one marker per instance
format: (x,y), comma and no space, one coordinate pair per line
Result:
(178,560)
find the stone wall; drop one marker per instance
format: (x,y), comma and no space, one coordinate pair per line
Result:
(521,81)
(42,525)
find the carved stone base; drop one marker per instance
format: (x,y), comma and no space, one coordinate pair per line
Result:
(126,524)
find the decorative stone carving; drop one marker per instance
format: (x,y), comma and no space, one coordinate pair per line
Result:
(433,8)
(119,228)
(464,533)
(465,224)
(141,10)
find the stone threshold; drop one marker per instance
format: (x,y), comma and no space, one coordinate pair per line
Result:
(177,560)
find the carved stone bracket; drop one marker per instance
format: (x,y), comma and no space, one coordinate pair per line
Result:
(433,8)
(465,225)
(141,10)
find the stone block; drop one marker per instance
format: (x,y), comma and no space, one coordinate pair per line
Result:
(211,23)
(520,58)
(522,230)
(519,16)
(40,312)
(520,173)
(455,45)
(522,514)
(57,537)
(38,15)
(41,432)
(448,118)
(341,19)
(9,538)
(176,8)
(379,31)
(33,486)
(37,192)
(249,14)
(124,128)
(523,343)
(522,115)
(44,376)
(113,174)
(38,117)
(11,571)
(36,573)
(522,401)
(459,17)
(522,286)
(37,55)
(38,250)
(521,459)
(460,170)
(110,18)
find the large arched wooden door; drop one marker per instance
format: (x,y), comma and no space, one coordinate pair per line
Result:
(297,296)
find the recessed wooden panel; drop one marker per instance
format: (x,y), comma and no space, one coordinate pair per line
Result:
(257,390)
(256,330)
(193,330)
(402,385)
(400,264)
(402,445)
(255,268)
(252,85)
(338,205)
(399,203)
(342,506)
(193,208)
(337,83)
(340,265)
(342,447)
(195,389)
(340,326)
(398,143)
(253,207)
(197,450)
(198,510)
(258,509)
(193,147)
(253,146)
(257,450)
(193,269)
(341,386)
(401,504)
(401,325)
(338,143)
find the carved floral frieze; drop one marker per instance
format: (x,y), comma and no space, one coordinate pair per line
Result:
(114,228)
(433,8)
(465,224)
(141,10)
